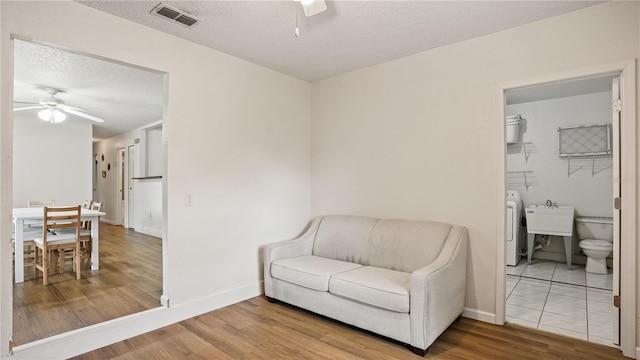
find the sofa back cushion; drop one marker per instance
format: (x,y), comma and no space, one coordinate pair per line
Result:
(344,238)
(406,245)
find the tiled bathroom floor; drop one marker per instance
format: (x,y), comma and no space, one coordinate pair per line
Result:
(547,296)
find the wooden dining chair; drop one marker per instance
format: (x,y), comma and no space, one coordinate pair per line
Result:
(85,234)
(87,205)
(29,247)
(56,218)
(33,230)
(85,239)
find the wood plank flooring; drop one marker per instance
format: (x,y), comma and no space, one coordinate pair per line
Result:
(129,281)
(256,329)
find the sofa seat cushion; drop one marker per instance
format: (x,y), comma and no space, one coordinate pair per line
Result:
(384,288)
(309,271)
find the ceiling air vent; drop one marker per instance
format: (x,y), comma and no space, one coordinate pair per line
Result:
(177,15)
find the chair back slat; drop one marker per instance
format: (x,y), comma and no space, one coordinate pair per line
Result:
(61,217)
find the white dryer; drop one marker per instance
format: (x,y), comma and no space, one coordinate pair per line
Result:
(515,238)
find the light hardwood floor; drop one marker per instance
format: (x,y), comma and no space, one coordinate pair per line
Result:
(129,281)
(256,329)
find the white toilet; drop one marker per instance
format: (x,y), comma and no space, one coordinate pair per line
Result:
(596,240)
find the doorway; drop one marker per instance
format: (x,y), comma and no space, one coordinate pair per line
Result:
(627,211)
(99,180)
(560,157)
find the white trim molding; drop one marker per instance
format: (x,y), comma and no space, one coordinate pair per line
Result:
(476,314)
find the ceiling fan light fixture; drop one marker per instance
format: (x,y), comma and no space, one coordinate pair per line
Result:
(312,7)
(52,116)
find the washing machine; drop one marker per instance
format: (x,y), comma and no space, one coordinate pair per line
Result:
(515,235)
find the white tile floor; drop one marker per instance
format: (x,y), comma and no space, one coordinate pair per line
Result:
(547,296)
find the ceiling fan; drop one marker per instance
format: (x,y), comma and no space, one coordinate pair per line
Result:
(54,110)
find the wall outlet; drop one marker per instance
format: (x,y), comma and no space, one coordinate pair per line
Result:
(188,201)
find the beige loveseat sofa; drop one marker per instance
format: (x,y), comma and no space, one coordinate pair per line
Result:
(401,279)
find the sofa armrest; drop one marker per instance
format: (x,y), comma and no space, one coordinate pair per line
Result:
(438,290)
(300,246)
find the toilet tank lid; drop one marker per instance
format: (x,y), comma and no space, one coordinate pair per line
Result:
(595,219)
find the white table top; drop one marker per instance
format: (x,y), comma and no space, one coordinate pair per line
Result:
(38,213)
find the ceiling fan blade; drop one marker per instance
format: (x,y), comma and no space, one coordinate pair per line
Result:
(67,107)
(81,114)
(26,102)
(29,108)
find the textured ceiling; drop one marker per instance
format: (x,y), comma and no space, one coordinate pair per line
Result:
(125,97)
(348,36)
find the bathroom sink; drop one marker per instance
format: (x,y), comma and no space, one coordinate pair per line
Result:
(550,220)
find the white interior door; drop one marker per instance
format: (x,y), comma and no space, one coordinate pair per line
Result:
(131,173)
(94,177)
(122,185)
(615,90)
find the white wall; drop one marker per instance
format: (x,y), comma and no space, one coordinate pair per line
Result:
(246,163)
(417,137)
(51,161)
(590,194)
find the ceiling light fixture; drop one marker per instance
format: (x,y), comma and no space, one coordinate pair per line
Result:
(310,8)
(54,116)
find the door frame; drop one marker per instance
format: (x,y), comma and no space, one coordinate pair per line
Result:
(628,157)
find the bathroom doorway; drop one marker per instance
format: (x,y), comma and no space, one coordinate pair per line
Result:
(560,141)
(531,290)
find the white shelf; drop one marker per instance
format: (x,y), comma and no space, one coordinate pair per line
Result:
(521,178)
(597,163)
(527,148)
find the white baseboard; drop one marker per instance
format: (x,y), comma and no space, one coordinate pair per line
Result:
(637,353)
(479,315)
(110,222)
(80,341)
(149,231)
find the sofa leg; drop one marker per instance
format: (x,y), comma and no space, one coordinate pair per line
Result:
(270,299)
(418,351)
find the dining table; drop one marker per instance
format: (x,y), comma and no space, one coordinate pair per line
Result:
(35,215)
